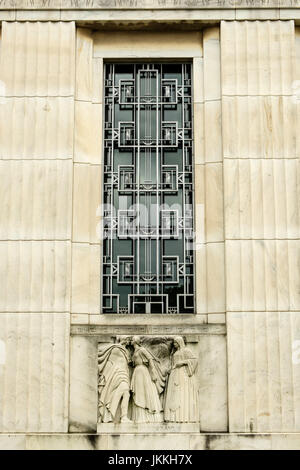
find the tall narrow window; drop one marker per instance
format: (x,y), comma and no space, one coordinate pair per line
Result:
(148,264)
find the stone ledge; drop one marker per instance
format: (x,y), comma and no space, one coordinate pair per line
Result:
(184,441)
(150,20)
(129,18)
(139,4)
(160,328)
(147,428)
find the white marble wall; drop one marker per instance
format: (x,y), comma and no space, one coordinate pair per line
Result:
(34,375)
(83,384)
(209,221)
(264,371)
(246,110)
(212,371)
(87,180)
(260,122)
(37,78)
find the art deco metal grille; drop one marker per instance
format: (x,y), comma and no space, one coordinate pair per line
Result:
(148,264)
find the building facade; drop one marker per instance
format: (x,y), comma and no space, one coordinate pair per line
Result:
(150,224)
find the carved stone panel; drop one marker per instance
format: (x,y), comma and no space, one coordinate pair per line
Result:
(146,380)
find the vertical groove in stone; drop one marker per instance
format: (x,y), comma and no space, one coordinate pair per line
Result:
(58,353)
(274,373)
(261,364)
(296,370)
(10,397)
(296,87)
(294,263)
(290,365)
(21,373)
(236,385)
(2,382)
(3,334)
(284,368)
(52,347)
(61,350)
(35,216)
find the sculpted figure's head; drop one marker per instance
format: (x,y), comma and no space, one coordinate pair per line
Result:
(123,340)
(136,341)
(178,342)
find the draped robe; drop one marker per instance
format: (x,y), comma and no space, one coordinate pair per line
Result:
(181,400)
(147,384)
(113,379)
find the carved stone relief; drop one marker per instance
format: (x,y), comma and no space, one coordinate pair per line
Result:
(147,380)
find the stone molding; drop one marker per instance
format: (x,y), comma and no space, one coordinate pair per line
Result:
(104,332)
(187,441)
(144,4)
(142,13)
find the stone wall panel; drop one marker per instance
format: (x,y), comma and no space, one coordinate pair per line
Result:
(86,203)
(36,128)
(37,58)
(253,62)
(263,374)
(88,132)
(85,278)
(36,199)
(263,275)
(34,377)
(262,198)
(255,126)
(260,124)
(35,276)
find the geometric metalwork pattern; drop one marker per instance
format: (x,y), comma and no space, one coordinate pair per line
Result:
(148,261)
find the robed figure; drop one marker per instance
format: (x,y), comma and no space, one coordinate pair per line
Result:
(147,384)
(114,382)
(181,401)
